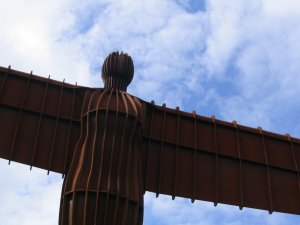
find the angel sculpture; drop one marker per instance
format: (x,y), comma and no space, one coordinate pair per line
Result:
(111,147)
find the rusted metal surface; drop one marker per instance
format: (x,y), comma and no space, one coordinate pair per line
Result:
(104,184)
(221,162)
(117,71)
(112,147)
(105,174)
(40,120)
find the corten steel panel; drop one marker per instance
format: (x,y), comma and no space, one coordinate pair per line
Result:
(184,154)
(203,158)
(104,184)
(40,120)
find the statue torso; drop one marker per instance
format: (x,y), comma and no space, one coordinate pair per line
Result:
(107,155)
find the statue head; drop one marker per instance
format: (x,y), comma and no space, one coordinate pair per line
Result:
(117,71)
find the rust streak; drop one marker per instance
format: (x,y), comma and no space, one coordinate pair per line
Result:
(102,154)
(37,132)
(18,120)
(69,130)
(268,170)
(195,194)
(161,149)
(216,161)
(148,144)
(56,125)
(241,205)
(294,160)
(85,219)
(176,153)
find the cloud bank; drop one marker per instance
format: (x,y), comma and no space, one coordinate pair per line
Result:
(238,60)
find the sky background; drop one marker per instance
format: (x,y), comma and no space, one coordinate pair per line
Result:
(237,60)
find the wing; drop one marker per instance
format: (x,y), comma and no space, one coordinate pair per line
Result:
(39,120)
(196,157)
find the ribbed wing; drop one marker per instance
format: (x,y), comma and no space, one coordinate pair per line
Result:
(203,158)
(39,120)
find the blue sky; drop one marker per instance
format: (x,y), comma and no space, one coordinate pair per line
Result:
(237,60)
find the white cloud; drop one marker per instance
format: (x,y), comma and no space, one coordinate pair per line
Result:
(165,211)
(30,40)
(28,197)
(254,45)
(238,59)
